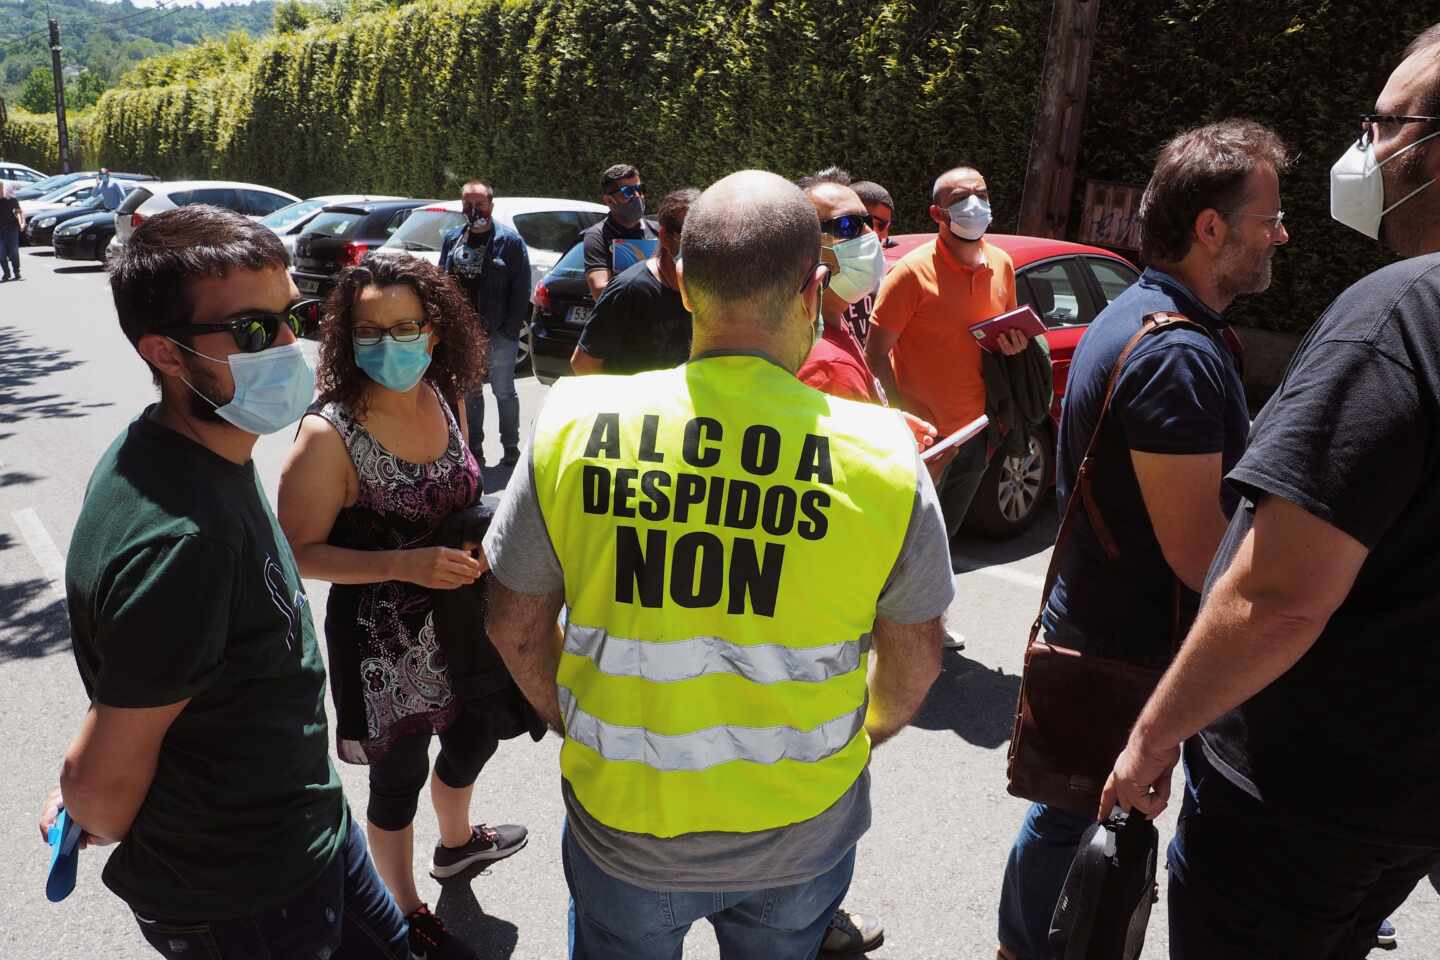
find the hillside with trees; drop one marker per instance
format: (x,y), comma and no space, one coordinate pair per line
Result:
(103,40)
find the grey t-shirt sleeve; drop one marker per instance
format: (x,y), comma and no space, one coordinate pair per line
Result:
(921,585)
(518,544)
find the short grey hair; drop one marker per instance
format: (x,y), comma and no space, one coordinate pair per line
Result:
(750,241)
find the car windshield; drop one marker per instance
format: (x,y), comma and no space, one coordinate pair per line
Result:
(291,214)
(50,183)
(424,230)
(334,223)
(56,195)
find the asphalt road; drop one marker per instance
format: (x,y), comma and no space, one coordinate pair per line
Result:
(930,866)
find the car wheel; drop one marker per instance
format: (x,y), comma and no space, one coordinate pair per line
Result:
(1010,495)
(522,355)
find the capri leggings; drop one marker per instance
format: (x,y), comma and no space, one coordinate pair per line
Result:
(397,778)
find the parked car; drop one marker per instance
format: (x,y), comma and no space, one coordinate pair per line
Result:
(85,237)
(1066,283)
(148,199)
(66,197)
(49,184)
(18,174)
(39,227)
(340,235)
(289,220)
(548,226)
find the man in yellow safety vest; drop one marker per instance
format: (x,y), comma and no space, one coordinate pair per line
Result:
(730,545)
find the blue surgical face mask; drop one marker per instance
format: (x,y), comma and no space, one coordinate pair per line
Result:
(394,365)
(272,387)
(970,218)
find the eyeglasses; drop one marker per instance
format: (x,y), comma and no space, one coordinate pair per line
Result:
(1274,219)
(256,331)
(407,331)
(848,227)
(629,191)
(1370,124)
(878,223)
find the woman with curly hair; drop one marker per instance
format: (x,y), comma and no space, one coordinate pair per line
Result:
(379,462)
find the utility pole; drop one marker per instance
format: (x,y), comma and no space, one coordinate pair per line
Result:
(64,133)
(1055,137)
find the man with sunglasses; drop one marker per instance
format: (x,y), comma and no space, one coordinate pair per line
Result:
(205,752)
(731,543)
(881,207)
(1307,694)
(640,323)
(621,191)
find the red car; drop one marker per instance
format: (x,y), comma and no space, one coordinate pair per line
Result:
(1067,284)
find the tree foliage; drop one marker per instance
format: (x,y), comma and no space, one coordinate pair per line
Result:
(541,95)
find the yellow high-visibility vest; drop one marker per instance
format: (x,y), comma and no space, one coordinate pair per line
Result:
(725,533)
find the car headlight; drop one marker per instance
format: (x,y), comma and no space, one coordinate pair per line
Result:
(69,230)
(45,222)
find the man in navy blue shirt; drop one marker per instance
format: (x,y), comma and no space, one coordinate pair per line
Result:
(1210,221)
(492,263)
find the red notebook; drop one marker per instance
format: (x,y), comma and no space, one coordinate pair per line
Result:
(1022,318)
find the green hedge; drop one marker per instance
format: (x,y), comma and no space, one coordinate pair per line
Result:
(541,95)
(1308,68)
(31,139)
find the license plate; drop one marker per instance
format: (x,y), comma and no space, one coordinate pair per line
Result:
(578,316)
(307,286)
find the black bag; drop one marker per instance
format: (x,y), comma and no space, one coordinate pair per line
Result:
(1105,904)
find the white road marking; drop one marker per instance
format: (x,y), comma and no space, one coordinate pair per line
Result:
(1008,574)
(37,538)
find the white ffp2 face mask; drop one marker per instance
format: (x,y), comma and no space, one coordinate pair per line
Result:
(1357,190)
(861,266)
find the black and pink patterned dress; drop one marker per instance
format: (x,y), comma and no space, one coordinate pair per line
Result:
(387,672)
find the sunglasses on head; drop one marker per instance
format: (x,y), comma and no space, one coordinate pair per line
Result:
(256,331)
(847,227)
(630,191)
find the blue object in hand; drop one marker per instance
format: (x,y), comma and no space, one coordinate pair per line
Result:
(64,857)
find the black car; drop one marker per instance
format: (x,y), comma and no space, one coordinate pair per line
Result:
(562,306)
(340,236)
(85,238)
(39,189)
(39,228)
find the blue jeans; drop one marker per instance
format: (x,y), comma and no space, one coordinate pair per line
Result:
(1042,853)
(10,250)
(1034,875)
(612,920)
(347,914)
(501,375)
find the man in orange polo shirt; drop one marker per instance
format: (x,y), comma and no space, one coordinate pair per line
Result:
(920,345)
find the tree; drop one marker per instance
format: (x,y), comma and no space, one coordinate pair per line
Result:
(38,94)
(85,91)
(291,17)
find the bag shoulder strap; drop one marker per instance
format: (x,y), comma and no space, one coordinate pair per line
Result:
(1152,324)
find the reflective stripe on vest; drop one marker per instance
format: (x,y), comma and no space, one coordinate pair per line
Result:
(725,533)
(711,746)
(698,656)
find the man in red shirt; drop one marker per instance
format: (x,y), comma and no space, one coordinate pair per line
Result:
(837,364)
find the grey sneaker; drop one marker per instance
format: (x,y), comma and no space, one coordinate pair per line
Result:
(487,844)
(852,933)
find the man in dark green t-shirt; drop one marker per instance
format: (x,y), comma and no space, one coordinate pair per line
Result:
(205,751)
